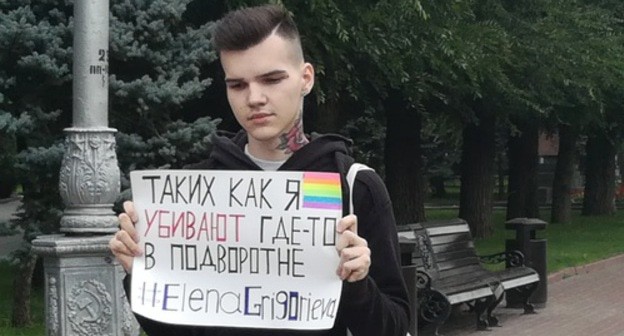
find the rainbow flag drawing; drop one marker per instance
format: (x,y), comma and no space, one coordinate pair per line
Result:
(322,191)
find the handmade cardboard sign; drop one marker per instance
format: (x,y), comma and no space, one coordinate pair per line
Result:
(237,248)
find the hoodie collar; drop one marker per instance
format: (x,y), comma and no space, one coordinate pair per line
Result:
(318,155)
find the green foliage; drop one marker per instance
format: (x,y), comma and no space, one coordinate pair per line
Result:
(157,67)
(179,144)
(41,209)
(156,63)
(370,140)
(540,62)
(35,63)
(34,66)
(440,141)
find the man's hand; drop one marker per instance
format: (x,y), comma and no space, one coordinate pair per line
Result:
(353,251)
(124,244)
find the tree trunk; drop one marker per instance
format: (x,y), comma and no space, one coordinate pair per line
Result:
(22,284)
(437,186)
(564,175)
(599,198)
(403,160)
(500,175)
(522,187)
(8,149)
(477,174)
(620,165)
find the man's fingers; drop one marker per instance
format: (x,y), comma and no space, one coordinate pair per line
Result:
(129,243)
(357,275)
(349,239)
(353,253)
(121,253)
(347,223)
(352,275)
(126,224)
(124,245)
(354,264)
(129,209)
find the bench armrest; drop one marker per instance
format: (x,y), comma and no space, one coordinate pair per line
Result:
(423,280)
(513,258)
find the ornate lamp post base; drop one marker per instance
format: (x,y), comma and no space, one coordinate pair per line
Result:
(84,295)
(89,219)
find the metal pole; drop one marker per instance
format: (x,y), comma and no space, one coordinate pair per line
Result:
(89,181)
(90,98)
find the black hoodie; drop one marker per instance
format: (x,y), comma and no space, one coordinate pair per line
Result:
(375,306)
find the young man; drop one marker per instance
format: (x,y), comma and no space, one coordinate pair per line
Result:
(267,79)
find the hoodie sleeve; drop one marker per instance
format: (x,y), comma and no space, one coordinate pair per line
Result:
(378,304)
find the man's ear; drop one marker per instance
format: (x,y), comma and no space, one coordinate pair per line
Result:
(307,78)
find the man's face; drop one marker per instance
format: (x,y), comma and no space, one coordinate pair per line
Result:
(265,87)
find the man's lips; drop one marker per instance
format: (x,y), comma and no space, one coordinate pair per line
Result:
(259,116)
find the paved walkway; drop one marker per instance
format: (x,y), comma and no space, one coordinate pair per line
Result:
(587,300)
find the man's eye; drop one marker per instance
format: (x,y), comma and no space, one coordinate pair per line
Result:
(273,80)
(236,86)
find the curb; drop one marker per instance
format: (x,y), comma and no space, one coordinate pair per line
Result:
(584,269)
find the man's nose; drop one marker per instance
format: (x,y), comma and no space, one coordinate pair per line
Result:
(256,95)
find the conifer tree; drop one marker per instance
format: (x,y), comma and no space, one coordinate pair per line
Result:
(157,66)
(35,79)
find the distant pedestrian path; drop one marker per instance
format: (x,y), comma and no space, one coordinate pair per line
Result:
(584,304)
(8,207)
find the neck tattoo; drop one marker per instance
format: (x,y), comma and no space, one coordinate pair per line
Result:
(295,138)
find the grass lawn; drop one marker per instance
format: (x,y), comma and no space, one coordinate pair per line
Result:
(6,302)
(584,240)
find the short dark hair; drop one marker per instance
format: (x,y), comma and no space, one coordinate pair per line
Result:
(244,28)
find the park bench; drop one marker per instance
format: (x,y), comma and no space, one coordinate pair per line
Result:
(449,272)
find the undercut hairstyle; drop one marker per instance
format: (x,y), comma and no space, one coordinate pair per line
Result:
(244,28)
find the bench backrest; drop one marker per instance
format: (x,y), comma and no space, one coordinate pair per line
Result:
(453,247)
(445,248)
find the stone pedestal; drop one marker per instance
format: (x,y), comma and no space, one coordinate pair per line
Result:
(84,294)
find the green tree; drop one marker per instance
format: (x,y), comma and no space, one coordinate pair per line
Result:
(158,62)
(35,58)
(559,51)
(588,75)
(392,66)
(388,57)
(472,72)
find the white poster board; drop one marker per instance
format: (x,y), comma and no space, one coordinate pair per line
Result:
(237,248)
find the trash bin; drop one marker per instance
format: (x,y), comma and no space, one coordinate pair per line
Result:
(534,251)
